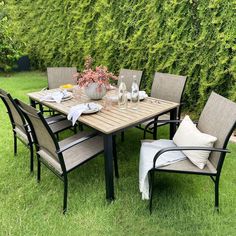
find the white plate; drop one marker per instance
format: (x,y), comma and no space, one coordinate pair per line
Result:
(67,94)
(96,109)
(141,97)
(62,100)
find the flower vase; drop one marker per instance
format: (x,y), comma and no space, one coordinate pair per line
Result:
(95,91)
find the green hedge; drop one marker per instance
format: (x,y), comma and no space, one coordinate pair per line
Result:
(9,52)
(188,37)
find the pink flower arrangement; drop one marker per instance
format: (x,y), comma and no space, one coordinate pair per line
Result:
(100,75)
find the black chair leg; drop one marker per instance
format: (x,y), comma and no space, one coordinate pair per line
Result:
(122,136)
(31,157)
(115,156)
(81,128)
(151,183)
(144,134)
(155,129)
(15,144)
(75,129)
(217,194)
(38,170)
(41,108)
(65,194)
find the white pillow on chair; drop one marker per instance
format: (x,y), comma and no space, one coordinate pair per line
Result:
(189,135)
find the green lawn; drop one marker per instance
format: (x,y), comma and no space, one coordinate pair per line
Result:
(183,204)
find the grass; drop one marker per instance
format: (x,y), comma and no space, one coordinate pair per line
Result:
(183,204)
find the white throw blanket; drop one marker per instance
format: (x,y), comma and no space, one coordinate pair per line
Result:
(76,111)
(147,153)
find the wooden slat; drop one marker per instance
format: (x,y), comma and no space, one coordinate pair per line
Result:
(115,119)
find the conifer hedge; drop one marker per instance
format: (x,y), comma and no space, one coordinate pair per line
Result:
(9,52)
(196,38)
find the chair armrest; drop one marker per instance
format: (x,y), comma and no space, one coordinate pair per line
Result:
(164,121)
(159,121)
(55,121)
(43,89)
(81,140)
(171,149)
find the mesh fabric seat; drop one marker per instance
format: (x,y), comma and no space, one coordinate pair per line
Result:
(218,119)
(20,127)
(167,87)
(128,80)
(64,156)
(128,77)
(60,75)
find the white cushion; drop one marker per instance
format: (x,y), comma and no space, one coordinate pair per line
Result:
(188,135)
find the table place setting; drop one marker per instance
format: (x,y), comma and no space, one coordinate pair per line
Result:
(85,108)
(142,95)
(57,96)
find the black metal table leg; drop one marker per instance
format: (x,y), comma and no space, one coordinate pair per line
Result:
(115,157)
(155,129)
(108,156)
(173,116)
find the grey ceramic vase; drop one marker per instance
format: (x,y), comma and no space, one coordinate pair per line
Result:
(95,92)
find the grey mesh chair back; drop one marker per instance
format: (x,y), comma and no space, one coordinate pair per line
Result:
(218,119)
(15,115)
(60,75)
(43,136)
(20,127)
(64,156)
(128,77)
(168,87)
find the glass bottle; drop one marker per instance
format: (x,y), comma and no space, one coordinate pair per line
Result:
(122,94)
(134,93)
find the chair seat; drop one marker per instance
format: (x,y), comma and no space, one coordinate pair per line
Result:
(182,165)
(56,127)
(60,126)
(21,135)
(188,167)
(77,154)
(55,118)
(162,117)
(173,161)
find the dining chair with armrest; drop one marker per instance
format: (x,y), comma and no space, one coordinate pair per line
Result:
(128,77)
(21,129)
(57,76)
(128,80)
(218,118)
(167,87)
(64,156)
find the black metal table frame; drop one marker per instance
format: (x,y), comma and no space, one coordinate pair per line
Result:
(108,148)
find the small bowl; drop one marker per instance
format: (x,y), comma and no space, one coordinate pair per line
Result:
(67,87)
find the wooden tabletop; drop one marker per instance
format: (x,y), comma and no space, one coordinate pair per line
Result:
(115,119)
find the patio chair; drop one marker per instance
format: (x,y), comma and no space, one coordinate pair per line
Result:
(64,156)
(128,77)
(166,87)
(60,75)
(21,129)
(218,118)
(56,77)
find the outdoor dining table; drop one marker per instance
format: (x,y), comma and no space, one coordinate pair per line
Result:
(111,122)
